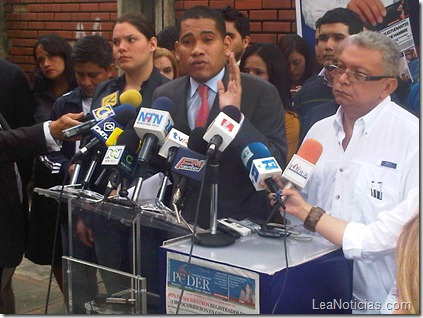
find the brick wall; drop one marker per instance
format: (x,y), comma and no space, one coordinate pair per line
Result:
(269,19)
(26,20)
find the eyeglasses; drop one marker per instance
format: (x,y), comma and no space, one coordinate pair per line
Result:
(337,71)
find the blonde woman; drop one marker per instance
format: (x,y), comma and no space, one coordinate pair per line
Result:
(408,272)
(165,62)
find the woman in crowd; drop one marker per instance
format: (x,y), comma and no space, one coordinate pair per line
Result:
(408,270)
(299,60)
(133,42)
(54,75)
(165,62)
(267,61)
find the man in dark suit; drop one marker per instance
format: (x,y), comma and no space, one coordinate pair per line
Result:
(203,48)
(18,144)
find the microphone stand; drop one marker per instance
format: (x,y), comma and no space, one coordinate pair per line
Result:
(214,238)
(78,164)
(141,171)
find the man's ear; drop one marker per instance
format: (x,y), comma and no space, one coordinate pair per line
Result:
(246,41)
(391,85)
(177,50)
(227,42)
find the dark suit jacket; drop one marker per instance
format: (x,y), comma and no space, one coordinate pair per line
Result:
(264,122)
(21,143)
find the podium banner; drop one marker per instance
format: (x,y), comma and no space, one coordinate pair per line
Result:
(210,288)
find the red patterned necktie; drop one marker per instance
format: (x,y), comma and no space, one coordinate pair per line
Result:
(203,110)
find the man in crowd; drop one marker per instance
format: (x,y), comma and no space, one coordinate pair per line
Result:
(238,29)
(203,47)
(359,178)
(334,26)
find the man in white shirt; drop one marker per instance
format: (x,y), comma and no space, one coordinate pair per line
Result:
(369,164)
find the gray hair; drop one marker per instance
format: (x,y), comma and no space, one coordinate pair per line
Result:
(391,53)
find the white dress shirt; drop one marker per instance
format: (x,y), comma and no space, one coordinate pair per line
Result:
(363,183)
(194,99)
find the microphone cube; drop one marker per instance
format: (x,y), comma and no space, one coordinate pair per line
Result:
(153,121)
(105,128)
(223,126)
(263,168)
(174,138)
(298,171)
(117,156)
(102,112)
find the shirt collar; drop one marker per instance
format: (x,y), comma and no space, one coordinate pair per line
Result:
(211,83)
(369,120)
(324,74)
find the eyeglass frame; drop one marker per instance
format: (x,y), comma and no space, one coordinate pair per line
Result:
(366,78)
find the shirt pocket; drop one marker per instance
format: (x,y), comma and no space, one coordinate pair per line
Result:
(376,189)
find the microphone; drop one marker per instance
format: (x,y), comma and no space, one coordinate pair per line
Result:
(222,130)
(198,147)
(98,115)
(189,162)
(261,166)
(152,126)
(301,165)
(131,97)
(104,129)
(175,139)
(110,142)
(122,157)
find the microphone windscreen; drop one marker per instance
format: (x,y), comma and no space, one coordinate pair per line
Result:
(124,113)
(130,139)
(232,112)
(112,140)
(131,97)
(196,141)
(310,150)
(163,103)
(255,150)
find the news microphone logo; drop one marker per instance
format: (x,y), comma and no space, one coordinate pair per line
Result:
(154,122)
(104,129)
(190,164)
(174,138)
(227,124)
(154,119)
(298,171)
(263,168)
(102,112)
(223,126)
(118,156)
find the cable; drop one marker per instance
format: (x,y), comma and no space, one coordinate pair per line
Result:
(286,262)
(197,209)
(55,239)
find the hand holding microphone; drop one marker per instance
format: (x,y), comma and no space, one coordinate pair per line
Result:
(299,169)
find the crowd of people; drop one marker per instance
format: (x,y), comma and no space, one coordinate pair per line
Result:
(345,96)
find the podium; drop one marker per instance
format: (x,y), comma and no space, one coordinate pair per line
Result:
(252,277)
(105,278)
